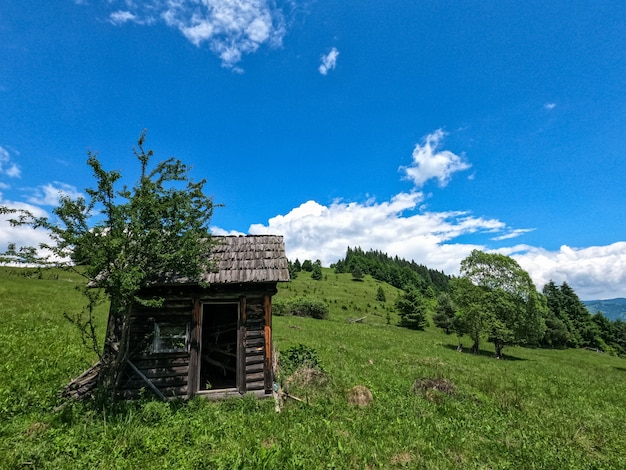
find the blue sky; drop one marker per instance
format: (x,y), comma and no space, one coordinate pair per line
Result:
(421,128)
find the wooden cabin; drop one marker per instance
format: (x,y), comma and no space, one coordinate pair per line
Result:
(215,340)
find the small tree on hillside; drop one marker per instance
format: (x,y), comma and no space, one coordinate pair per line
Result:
(357,273)
(316,272)
(412,310)
(380,294)
(445,314)
(123,239)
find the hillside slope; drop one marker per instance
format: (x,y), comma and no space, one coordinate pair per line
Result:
(432,407)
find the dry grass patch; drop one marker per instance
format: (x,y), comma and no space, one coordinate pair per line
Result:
(360,395)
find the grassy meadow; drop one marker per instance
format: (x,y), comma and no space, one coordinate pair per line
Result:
(544,409)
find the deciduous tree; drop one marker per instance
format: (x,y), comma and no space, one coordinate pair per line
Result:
(121,239)
(511,311)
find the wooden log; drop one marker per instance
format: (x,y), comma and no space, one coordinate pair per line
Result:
(258,376)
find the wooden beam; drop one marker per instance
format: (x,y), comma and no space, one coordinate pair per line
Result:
(267,306)
(195,341)
(146,380)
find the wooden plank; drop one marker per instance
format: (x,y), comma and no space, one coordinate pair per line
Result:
(159,383)
(164,371)
(267,330)
(195,345)
(258,376)
(255,342)
(255,350)
(241,349)
(254,359)
(256,386)
(252,368)
(146,380)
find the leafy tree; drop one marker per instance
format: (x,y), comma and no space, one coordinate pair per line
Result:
(412,310)
(472,317)
(316,272)
(123,239)
(307,265)
(512,310)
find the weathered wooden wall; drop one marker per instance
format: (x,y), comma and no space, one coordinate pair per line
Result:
(174,374)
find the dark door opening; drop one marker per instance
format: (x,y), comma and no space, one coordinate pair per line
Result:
(218,364)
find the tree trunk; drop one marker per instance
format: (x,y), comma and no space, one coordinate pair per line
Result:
(115,348)
(499,347)
(475,346)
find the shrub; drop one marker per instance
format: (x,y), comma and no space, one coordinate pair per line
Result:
(301,307)
(297,357)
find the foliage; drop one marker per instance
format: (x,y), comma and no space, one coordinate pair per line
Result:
(316,272)
(445,314)
(298,356)
(500,301)
(397,272)
(571,322)
(412,309)
(122,239)
(301,307)
(357,274)
(380,294)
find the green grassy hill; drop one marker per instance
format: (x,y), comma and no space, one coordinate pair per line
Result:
(432,407)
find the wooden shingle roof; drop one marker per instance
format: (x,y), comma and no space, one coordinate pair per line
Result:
(248,259)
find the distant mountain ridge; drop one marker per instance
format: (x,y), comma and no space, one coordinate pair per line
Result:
(613,309)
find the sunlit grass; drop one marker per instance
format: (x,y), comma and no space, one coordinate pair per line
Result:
(535,409)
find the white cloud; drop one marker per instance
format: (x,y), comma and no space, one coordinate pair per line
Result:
(431,163)
(595,272)
(549,106)
(230,28)
(315,231)
(218,231)
(513,234)
(22,236)
(7,167)
(49,194)
(123,16)
(329,61)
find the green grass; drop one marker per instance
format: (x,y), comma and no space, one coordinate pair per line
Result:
(535,409)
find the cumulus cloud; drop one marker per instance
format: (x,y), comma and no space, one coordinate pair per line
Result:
(595,272)
(431,163)
(230,28)
(549,106)
(7,167)
(315,231)
(50,194)
(329,61)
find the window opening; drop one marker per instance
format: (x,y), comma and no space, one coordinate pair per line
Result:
(170,338)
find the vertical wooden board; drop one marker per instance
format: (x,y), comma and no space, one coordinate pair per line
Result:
(267,305)
(195,340)
(241,341)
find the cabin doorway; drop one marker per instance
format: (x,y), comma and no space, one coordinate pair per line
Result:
(218,351)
